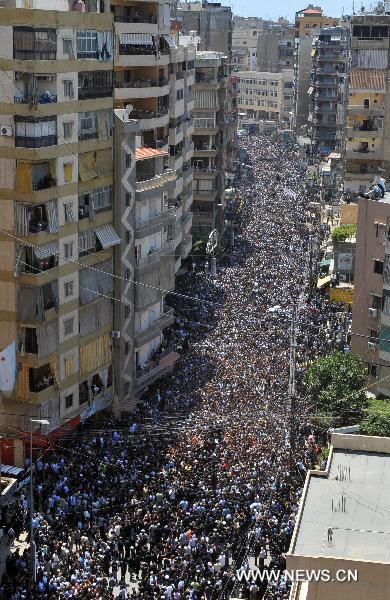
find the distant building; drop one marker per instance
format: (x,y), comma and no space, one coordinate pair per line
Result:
(212,21)
(244,42)
(275,49)
(328,92)
(264,95)
(367,148)
(308,23)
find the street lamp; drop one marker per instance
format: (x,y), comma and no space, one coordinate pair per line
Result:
(32,543)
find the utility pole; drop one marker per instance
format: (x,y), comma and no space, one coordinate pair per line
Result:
(291,385)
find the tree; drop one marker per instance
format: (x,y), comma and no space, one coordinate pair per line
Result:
(377,418)
(343,233)
(335,386)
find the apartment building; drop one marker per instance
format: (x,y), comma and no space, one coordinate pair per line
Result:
(244,42)
(367,145)
(339,527)
(308,23)
(56,196)
(371,309)
(264,95)
(212,21)
(328,92)
(214,127)
(275,49)
(153,86)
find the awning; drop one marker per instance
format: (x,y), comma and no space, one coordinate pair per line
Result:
(144,153)
(170,41)
(310,90)
(365,80)
(107,236)
(325,262)
(46,250)
(143,39)
(324,281)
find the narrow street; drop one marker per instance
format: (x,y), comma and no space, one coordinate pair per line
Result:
(203,482)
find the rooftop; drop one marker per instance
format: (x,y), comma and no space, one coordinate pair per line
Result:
(358,475)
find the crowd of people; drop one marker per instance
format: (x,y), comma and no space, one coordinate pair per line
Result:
(205,478)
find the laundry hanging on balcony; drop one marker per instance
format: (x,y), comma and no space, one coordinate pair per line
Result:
(21,217)
(47,338)
(52,216)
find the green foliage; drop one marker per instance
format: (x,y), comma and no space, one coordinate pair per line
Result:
(334,385)
(342,233)
(377,418)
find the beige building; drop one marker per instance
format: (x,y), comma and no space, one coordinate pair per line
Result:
(367,145)
(212,22)
(244,43)
(371,309)
(264,95)
(341,523)
(56,197)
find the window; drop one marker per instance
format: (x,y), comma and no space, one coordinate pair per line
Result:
(69,401)
(68,88)
(127,311)
(67,46)
(378,267)
(127,237)
(68,172)
(127,347)
(68,289)
(179,94)
(35,133)
(35,44)
(87,125)
(376,302)
(127,274)
(68,130)
(68,250)
(68,326)
(374,335)
(128,198)
(68,210)
(95,84)
(87,44)
(128,161)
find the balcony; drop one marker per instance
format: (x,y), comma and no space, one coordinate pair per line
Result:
(151,119)
(154,256)
(46,98)
(155,181)
(363,154)
(35,142)
(34,44)
(164,320)
(359,109)
(186,246)
(94,84)
(154,223)
(141,88)
(164,364)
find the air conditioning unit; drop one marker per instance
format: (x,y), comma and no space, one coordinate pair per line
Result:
(373,312)
(343,277)
(7,130)
(371,345)
(116,335)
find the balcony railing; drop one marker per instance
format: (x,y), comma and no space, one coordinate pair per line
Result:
(155,181)
(141,83)
(151,20)
(43,99)
(141,49)
(148,114)
(164,320)
(161,219)
(44,183)
(22,141)
(38,266)
(94,92)
(155,256)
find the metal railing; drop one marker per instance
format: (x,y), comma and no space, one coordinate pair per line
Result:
(160,219)
(155,181)
(141,83)
(155,256)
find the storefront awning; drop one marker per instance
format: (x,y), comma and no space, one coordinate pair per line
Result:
(46,250)
(143,39)
(324,281)
(107,236)
(325,262)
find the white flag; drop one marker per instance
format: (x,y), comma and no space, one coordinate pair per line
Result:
(8,368)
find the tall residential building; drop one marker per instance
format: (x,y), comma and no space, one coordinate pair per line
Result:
(275,49)
(308,23)
(212,21)
(264,95)
(214,126)
(339,526)
(153,85)
(244,42)
(329,86)
(367,149)
(371,309)
(56,199)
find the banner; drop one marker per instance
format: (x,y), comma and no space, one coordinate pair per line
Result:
(341,295)
(8,368)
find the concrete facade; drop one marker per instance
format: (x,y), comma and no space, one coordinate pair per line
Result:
(265,95)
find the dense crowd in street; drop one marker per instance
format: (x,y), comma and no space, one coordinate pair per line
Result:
(203,479)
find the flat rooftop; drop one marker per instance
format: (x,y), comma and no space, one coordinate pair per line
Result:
(362,531)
